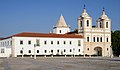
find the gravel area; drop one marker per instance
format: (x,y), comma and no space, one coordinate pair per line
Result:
(60,63)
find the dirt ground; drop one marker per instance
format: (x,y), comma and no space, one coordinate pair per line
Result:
(60,63)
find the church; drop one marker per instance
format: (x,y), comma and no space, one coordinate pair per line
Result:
(86,40)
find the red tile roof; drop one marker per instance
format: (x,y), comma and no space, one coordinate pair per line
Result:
(50,35)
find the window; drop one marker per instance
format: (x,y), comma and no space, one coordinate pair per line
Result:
(2,50)
(60,31)
(21,51)
(21,42)
(100,39)
(70,42)
(37,42)
(70,50)
(78,50)
(97,39)
(37,51)
(58,42)
(58,51)
(88,49)
(79,43)
(64,50)
(64,42)
(107,39)
(29,51)
(80,23)
(93,39)
(107,49)
(10,42)
(51,51)
(45,51)
(51,42)
(45,42)
(87,23)
(29,42)
(100,25)
(106,24)
(87,39)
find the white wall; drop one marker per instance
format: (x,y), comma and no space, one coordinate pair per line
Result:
(5,47)
(63,30)
(48,46)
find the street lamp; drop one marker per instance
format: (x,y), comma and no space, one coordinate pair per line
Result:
(73,52)
(22,52)
(35,51)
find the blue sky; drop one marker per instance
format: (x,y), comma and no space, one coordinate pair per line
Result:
(41,15)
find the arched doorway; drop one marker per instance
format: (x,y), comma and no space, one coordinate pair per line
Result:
(98,51)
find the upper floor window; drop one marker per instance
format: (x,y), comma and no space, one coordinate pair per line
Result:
(51,42)
(37,42)
(60,31)
(107,39)
(100,39)
(70,42)
(64,42)
(45,42)
(87,39)
(93,39)
(97,39)
(87,23)
(58,42)
(29,42)
(79,43)
(106,24)
(21,42)
(80,23)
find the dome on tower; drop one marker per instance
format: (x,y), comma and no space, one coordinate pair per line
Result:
(104,16)
(84,14)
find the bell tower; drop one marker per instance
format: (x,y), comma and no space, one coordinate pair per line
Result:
(84,22)
(104,21)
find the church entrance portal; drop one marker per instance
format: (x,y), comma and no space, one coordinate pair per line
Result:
(98,51)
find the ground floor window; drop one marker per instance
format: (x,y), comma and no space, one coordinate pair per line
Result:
(2,50)
(37,51)
(64,50)
(21,51)
(70,50)
(45,51)
(29,51)
(78,50)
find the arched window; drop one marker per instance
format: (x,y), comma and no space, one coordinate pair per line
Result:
(87,39)
(93,39)
(87,23)
(100,39)
(107,39)
(97,39)
(106,24)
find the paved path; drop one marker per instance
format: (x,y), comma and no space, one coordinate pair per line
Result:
(60,63)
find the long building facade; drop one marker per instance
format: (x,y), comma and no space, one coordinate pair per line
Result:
(85,40)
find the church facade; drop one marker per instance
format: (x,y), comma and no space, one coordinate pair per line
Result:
(86,40)
(97,39)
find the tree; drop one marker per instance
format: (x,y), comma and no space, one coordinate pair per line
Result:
(116,42)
